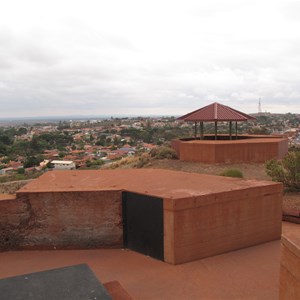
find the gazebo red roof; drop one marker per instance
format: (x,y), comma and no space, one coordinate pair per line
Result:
(216,112)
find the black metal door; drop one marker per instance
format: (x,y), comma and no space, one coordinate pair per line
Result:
(143,224)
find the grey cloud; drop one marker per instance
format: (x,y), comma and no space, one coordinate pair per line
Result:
(291,9)
(89,69)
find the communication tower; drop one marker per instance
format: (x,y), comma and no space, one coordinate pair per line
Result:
(259,106)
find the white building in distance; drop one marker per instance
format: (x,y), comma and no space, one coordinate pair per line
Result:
(63,164)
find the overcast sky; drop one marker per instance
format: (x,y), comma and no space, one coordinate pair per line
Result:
(64,57)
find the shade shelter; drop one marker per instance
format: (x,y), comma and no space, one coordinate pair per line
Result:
(216,112)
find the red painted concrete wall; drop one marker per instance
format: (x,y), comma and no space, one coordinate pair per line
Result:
(63,220)
(206,152)
(290,267)
(247,150)
(207,225)
(175,144)
(283,148)
(203,215)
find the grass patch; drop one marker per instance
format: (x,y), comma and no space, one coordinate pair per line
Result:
(17,177)
(232,173)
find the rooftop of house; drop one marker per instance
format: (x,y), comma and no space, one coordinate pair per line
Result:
(62,162)
(154,182)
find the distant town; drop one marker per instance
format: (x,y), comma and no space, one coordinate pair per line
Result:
(31,146)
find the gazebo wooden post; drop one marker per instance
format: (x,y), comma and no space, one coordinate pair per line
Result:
(201,131)
(230,130)
(195,130)
(236,130)
(216,130)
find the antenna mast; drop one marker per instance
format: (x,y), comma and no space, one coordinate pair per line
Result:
(259,106)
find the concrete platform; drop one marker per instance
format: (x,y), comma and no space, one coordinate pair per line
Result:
(247,148)
(203,215)
(251,273)
(154,182)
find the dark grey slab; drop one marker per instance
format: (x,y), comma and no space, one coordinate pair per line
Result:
(69,283)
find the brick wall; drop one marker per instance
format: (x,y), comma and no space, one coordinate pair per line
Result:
(14,219)
(62,220)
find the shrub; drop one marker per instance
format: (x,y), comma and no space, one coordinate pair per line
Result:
(131,162)
(94,163)
(163,152)
(124,161)
(286,171)
(232,173)
(142,161)
(21,171)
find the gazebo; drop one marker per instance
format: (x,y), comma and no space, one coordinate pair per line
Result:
(216,112)
(225,149)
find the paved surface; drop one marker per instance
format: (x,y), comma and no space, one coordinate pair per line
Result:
(68,283)
(251,273)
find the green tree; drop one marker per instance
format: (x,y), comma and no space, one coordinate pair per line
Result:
(21,131)
(61,154)
(21,171)
(3,149)
(6,140)
(22,148)
(33,161)
(286,171)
